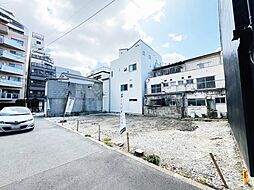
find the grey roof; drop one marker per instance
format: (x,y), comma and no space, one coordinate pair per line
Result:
(68,75)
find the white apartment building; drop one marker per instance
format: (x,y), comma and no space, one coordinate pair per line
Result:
(128,75)
(194,87)
(13,62)
(103,74)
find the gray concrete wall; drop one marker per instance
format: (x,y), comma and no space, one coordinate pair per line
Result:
(165,109)
(88,98)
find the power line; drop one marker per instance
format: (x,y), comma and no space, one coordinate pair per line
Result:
(71,16)
(89,18)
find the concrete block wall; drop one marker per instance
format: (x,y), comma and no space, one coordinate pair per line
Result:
(88,97)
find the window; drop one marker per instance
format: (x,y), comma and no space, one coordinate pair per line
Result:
(165,84)
(173,84)
(196,102)
(124,87)
(133,100)
(38,42)
(133,67)
(156,88)
(90,87)
(172,102)
(131,85)
(220,100)
(189,81)
(206,82)
(143,53)
(180,82)
(203,65)
(189,77)
(111,74)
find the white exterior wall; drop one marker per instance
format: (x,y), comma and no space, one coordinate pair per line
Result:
(217,71)
(214,68)
(136,78)
(104,75)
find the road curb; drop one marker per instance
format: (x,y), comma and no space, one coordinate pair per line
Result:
(165,171)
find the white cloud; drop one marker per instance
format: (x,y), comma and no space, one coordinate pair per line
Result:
(172,57)
(98,40)
(175,37)
(166,45)
(158,16)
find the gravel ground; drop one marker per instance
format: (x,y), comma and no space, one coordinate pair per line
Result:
(183,146)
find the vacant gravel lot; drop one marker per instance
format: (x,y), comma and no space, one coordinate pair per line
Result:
(183,146)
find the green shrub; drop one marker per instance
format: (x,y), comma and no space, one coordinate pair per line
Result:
(107,141)
(155,159)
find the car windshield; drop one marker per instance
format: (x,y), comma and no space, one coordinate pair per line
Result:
(12,111)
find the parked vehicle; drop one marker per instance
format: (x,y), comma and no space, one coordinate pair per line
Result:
(16,119)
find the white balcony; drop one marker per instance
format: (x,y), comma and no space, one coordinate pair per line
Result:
(13,70)
(11,43)
(10,83)
(10,56)
(9,96)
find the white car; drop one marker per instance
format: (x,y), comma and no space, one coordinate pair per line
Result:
(16,119)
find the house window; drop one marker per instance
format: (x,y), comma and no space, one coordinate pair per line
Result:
(133,100)
(220,100)
(180,82)
(189,77)
(124,87)
(143,53)
(156,88)
(111,74)
(203,65)
(206,82)
(133,67)
(131,85)
(189,81)
(38,42)
(165,84)
(196,102)
(173,84)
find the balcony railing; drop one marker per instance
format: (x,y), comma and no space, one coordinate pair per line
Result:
(43,66)
(9,96)
(11,83)
(10,69)
(36,96)
(10,56)
(43,75)
(37,85)
(11,43)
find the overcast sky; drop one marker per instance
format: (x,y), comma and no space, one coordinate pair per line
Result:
(176,29)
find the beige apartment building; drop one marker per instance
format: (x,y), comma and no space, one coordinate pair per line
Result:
(13,58)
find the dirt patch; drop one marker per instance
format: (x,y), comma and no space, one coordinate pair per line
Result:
(183,146)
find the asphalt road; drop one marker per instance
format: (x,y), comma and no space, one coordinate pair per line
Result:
(51,157)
